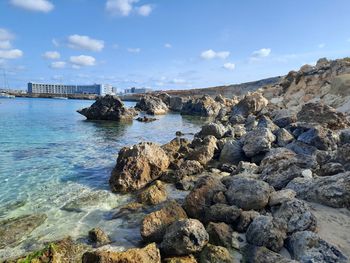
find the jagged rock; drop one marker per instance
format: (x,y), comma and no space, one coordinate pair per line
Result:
(232,152)
(176,149)
(342,155)
(205,150)
(12,230)
(222,213)
(248,193)
(244,220)
(220,234)
(246,168)
(333,190)
(215,254)
(98,237)
(302,148)
(344,136)
(258,254)
(330,169)
(306,246)
(108,108)
(184,259)
(150,253)
(154,194)
(267,231)
(266,122)
(258,141)
(252,103)
(283,118)
(324,115)
(215,129)
(154,225)
(186,169)
(283,137)
(165,97)
(201,197)
(319,137)
(281,196)
(184,237)
(204,106)
(176,103)
(137,166)
(152,105)
(250,123)
(297,215)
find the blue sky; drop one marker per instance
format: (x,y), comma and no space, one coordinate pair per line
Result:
(166,44)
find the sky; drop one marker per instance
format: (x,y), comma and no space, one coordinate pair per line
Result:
(166,44)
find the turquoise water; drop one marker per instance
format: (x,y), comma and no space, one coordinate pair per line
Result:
(50,156)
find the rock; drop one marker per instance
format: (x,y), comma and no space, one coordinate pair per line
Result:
(324,115)
(281,196)
(86,200)
(215,129)
(204,106)
(302,148)
(98,237)
(283,118)
(244,220)
(137,166)
(179,133)
(306,246)
(154,194)
(222,213)
(152,105)
(266,122)
(186,169)
(165,97)
(252,103)
(150,253)
(176,149)
(297,215)
(232,152)
(184,259)
(145,119)
(184,237)
(108,108)
(319,137)
(307,173)
(248,193)
(13,230)
(283,137)
(204,152)
(267,231)
(220,234)
(333,190)
(257,141)
(258,254)
(154,225)
(127,210)
(246,168)
(330,169)
(201,197)
(344,136)
(215,254)
(176,103)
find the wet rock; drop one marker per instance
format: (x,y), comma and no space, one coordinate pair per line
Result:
(324,115)
(283,137)
(222,213)
(150,253)
(201,197)
(127,210)
(176,103)
(252,103)
(281,196)
(137,166)
(306,246)
(152,105)
(98,237)
(232,152)
(146,119)
(184,237)
(319,137)
(258,141)
(215,129)
(109,108)
(204,106)
(184,259)
(244,220)
(258,254)
(267,231)
(215,254)
(204,152)
(86,200)
(248,193)
(297,215)
(333,190)
(154,194)
(154,225)
(13,230)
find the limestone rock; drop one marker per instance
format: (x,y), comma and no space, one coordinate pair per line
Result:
(252,103)
(184,259)
(232,152)
(176,103)
(215,254)
(204,151)
(281,196)
(204,106)
(258,254)
(283,137)
(258,141)
(98,237)
(220,234)
(152,105)
(222,213)
(154,194)
(244,220)
(217,130)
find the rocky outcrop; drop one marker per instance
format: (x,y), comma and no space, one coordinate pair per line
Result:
(204,106)
(258,141)
(217,130)
(108,108)
(137,166)
(152,105)
(98,237)
(154,194)
(204,150)
(176,103)
(252,103)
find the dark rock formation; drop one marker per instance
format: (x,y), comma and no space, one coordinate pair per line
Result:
(152,105)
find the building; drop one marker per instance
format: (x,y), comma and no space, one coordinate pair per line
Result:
(59,89)
(137,90)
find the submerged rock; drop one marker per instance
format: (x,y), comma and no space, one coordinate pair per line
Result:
(152,105)
(108,108)
(146,119)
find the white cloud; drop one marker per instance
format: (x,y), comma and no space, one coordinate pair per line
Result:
(82,60)
(261,53)
(11,54)
(5,44)
(34,5)
(321,45)
(168,45)
(58,64)
(211,54)
(144,10)
(51,55)
(85,42)
(134,50)
(120,7)
(6,35)
(229,66)
(55,42)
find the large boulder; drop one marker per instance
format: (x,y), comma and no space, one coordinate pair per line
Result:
(319,137)
(150,253)
(324,115)
(108,108)
(217,130)
(220,234)
(137,166)
(184,237)
(267,231)
(176,103)
(154,225)
(258,141)
(204,106)
(204,150)
(152,105)
(222,213)
(98,237)
(232,152)
(154,194)
(252,103)
(248,193)
(215,254)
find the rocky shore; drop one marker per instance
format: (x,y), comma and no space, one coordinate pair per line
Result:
(260,181)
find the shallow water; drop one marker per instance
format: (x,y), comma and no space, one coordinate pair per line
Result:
(50,156)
